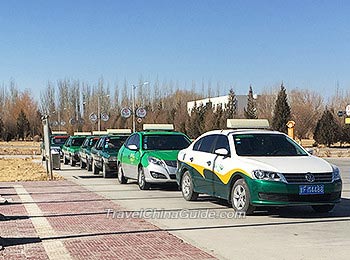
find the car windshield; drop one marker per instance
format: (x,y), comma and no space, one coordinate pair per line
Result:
(115,142)
(165,142)
(92,142)
(266,145)
(59,140)
(78,141)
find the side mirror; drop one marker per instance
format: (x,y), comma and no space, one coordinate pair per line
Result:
(222,152)
(310,150)
(132,147)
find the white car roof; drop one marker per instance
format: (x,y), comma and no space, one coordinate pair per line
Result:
(241,131)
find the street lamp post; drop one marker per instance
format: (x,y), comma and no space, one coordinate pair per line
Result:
(99,112)
(133,103)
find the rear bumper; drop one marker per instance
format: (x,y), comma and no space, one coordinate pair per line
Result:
(284,194)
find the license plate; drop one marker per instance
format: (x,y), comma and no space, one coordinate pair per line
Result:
(311,189)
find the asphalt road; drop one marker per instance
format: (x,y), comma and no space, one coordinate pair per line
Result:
(287,233)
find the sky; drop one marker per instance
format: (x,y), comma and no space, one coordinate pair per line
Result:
(304,43)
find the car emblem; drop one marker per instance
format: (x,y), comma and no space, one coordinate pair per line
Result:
(310,177)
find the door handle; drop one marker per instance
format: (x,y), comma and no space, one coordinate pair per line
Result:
(209,163)
(191,159)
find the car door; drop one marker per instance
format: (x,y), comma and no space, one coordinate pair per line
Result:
(126,157)
(223,166)
(202,161)
(134,157)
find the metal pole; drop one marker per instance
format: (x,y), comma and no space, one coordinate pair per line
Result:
(98,114)
(133,108)
(59,120)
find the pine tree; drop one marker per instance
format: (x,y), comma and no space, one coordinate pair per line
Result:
(250,112)
(327,130)
(281,113)
(231,107)
(23,125)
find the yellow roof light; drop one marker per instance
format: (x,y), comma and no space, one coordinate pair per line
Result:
(119,131)
(248,123)
(166,127)
(82,133)
(99,132)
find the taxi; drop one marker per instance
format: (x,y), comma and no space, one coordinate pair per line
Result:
(85,151)
(71,147)
(150,156)
(104,152)
(256,167)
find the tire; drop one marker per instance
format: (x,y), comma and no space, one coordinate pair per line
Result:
(187,187)
(322,208)
(240,197)
(105,173)
(120,173)
(88,166)
(143,185)
(65,160)
(72,162)
(82,164)
(94,168)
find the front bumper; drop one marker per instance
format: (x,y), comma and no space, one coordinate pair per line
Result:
(272,193)
(158,174)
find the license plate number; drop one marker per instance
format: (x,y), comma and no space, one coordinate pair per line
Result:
(311,189)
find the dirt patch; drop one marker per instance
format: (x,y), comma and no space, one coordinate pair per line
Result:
(23,170)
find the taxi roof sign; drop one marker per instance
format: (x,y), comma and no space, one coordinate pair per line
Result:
(59,132)
(248,123)
(119,131)
(82,133)
(99,132)
(166,127)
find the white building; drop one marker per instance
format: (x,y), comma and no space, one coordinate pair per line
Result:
(242,101)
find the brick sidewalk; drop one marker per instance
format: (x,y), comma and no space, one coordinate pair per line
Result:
(69,222)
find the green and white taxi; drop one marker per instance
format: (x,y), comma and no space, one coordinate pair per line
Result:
(72,146)
(256,167)
(150,156)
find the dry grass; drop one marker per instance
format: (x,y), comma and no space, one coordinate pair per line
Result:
(23,170)
(20,148)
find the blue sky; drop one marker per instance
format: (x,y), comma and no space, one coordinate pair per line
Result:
(303,43)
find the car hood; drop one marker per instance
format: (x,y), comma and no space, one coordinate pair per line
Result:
(169,155)
(298,164)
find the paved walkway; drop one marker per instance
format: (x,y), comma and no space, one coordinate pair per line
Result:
(62,220)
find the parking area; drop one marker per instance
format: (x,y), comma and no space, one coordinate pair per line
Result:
(207,225)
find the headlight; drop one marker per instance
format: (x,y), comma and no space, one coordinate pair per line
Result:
(336,173)
(156,161)
(268,176)
(112,159)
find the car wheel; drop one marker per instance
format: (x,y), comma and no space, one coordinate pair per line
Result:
(141,180)
(187,187)
(82,164)
(323,208)
(88,166)
(65,160)
(240,197)
(72,162)
(105,173)
(94,168)
(121,177)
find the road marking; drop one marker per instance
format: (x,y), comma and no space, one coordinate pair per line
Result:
(55,249)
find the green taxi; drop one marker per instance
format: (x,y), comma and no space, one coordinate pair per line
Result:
(71,147)
(150,156)
(85,152)
(104,152)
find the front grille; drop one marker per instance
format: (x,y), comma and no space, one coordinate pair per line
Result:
(171,163)
(172,176)
(301,177)
(329,197)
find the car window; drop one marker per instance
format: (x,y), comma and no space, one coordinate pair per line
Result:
(130,140)
(136,141)
(165,142)
(115,142)
(222,142)
(92,142)
(99,143)
(266,145)
(78,141)
(206,144)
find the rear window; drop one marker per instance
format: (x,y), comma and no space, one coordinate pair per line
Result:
(78,141)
